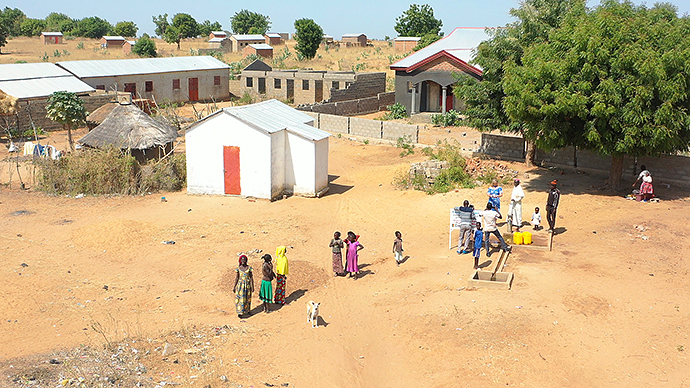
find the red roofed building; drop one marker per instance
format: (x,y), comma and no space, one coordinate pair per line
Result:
(424,79)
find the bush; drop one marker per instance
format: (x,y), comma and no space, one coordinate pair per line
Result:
(405,143)
(448,119)
(395,111)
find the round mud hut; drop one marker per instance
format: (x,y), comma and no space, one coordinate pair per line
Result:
(128,128)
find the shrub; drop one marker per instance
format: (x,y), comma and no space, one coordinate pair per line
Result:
(405,143)
(80,46)
(448,119)
(395,111)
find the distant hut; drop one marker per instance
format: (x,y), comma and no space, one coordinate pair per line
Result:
(51,37)
(128,128)
(96,117)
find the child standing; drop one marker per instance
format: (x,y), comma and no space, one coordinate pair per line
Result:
(353,248)
(398,248)
(266,290)
(478,239)
(337,246)
(536,219)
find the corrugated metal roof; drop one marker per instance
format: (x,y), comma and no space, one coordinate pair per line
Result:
(273,35)
(43,87)
(249,37)
(219,32)
(213,40)
(21,71)
(273,116)
(463,38)
(352,35)
(115,67)
(261,46)
(132,42)
(407,38)
(51,33)
(110,37)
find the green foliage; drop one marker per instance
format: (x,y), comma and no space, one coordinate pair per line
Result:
(12,19)
(448,119)
(395,111)
(92,27)
(280,57)
(185,24)
(45,57)
(15,133)
(309,36)
(366,141)
(60,22)
(246,99)
(128,29)
(206,27)
(32,27)
(56,53)
(4,33)
(359,67)
(145,47)
(248,22)
(68,110)
(405,143)
(418,21)
(425,41)
(80,46)
(162,24)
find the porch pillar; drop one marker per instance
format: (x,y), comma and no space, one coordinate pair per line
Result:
(412,111)
(443,100)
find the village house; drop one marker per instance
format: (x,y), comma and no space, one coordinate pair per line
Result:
(264,150)
(217,34)
(424,79)
(239,42)
(355,40)
(309,86)
(127,46)
(173,79)
(51,37)
(263,50)
(405,43)
(273,39)
(112,41)
(216,43)
(327,39)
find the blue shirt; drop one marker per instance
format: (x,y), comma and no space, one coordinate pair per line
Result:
(478,238)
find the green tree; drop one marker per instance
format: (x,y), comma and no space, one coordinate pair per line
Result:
(92,27)
(484,100)
(124,28)
(68,110)
(145,47)
(161,22)
(425,41)
(32,27)
(612,79)
(186,25)
(3,36)
(59,22)
(12,18)
(418,21)
(247,22)
(308,35)
(206,27)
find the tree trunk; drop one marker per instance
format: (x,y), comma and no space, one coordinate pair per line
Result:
(531,153)
(614,180)
(178,44)
(69,138)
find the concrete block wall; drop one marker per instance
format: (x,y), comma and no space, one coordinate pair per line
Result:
(503,147)
(386,100)
(37,110)
(347,108)
(333,123)
(364,127)
(365,85)
(394,131)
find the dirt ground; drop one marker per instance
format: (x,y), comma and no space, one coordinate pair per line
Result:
(608,307)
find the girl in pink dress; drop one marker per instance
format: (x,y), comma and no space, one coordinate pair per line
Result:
(353,248)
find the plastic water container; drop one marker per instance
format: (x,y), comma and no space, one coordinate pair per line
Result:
(517,238)
(526,237)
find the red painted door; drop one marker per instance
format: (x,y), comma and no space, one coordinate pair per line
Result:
(449,100)
(193,89)
(231,166)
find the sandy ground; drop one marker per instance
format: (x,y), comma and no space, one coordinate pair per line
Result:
(608,307)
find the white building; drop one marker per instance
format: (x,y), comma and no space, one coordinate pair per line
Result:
(262,150)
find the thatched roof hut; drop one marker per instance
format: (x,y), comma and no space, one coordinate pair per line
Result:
(128,127)
(96,117)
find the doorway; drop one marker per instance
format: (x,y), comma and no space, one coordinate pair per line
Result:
(290,89)
(231,169)
(318,91)
(193,89)
(132,89)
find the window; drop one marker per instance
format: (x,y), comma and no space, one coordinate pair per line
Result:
(250,82)
(305,84)
(176,84)
(335,85)
(216,80)
(100,87)
(276,83)
(149,86)
(347,84)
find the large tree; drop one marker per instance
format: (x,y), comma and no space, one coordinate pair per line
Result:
(67,109)
(418,20)
(126,28)
(247,22)
(484,100)
(613,79)
(4,33)
(206,27)
(162,24)
(92,27)
(145,47)
(60,22)
(12,18)
(309,36)
(32,27)
(183,26)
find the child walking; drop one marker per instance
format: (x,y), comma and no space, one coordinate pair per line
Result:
(536,219)
(398,248)
(478,239)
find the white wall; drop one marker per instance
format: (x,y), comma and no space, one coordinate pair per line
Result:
(301,152)
(321,170)
(204,145)
(278,164)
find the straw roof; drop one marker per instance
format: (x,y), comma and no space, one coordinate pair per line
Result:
(127,127)
(96,117)
(8,104)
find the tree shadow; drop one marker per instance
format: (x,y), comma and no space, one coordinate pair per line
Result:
(335,188)
(295,295)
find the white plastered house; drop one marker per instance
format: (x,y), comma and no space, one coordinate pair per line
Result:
(263,150)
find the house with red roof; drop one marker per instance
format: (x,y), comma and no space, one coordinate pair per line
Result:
(424,80)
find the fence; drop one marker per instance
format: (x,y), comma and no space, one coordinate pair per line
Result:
(352,107)
(364,127)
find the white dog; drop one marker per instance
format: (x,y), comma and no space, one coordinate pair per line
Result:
(313,313)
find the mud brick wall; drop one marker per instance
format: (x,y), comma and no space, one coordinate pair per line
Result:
(37,110)
(364,127)
(365,85)
(503,147)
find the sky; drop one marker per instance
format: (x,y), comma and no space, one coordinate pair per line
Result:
(375,18)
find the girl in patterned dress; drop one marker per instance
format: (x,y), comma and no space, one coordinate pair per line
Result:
(243,288)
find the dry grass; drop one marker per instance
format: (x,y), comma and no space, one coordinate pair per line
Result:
(374,58)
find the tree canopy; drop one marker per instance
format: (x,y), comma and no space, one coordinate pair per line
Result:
(125,28)
(161,22)
(92,27)
(12,19)
(60,22)
(309,36)
(247,22)
(183,26)
(145,47)
(4,33)
(206,27)
(32,27)
(612,79)
(418,20)
(67,109)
